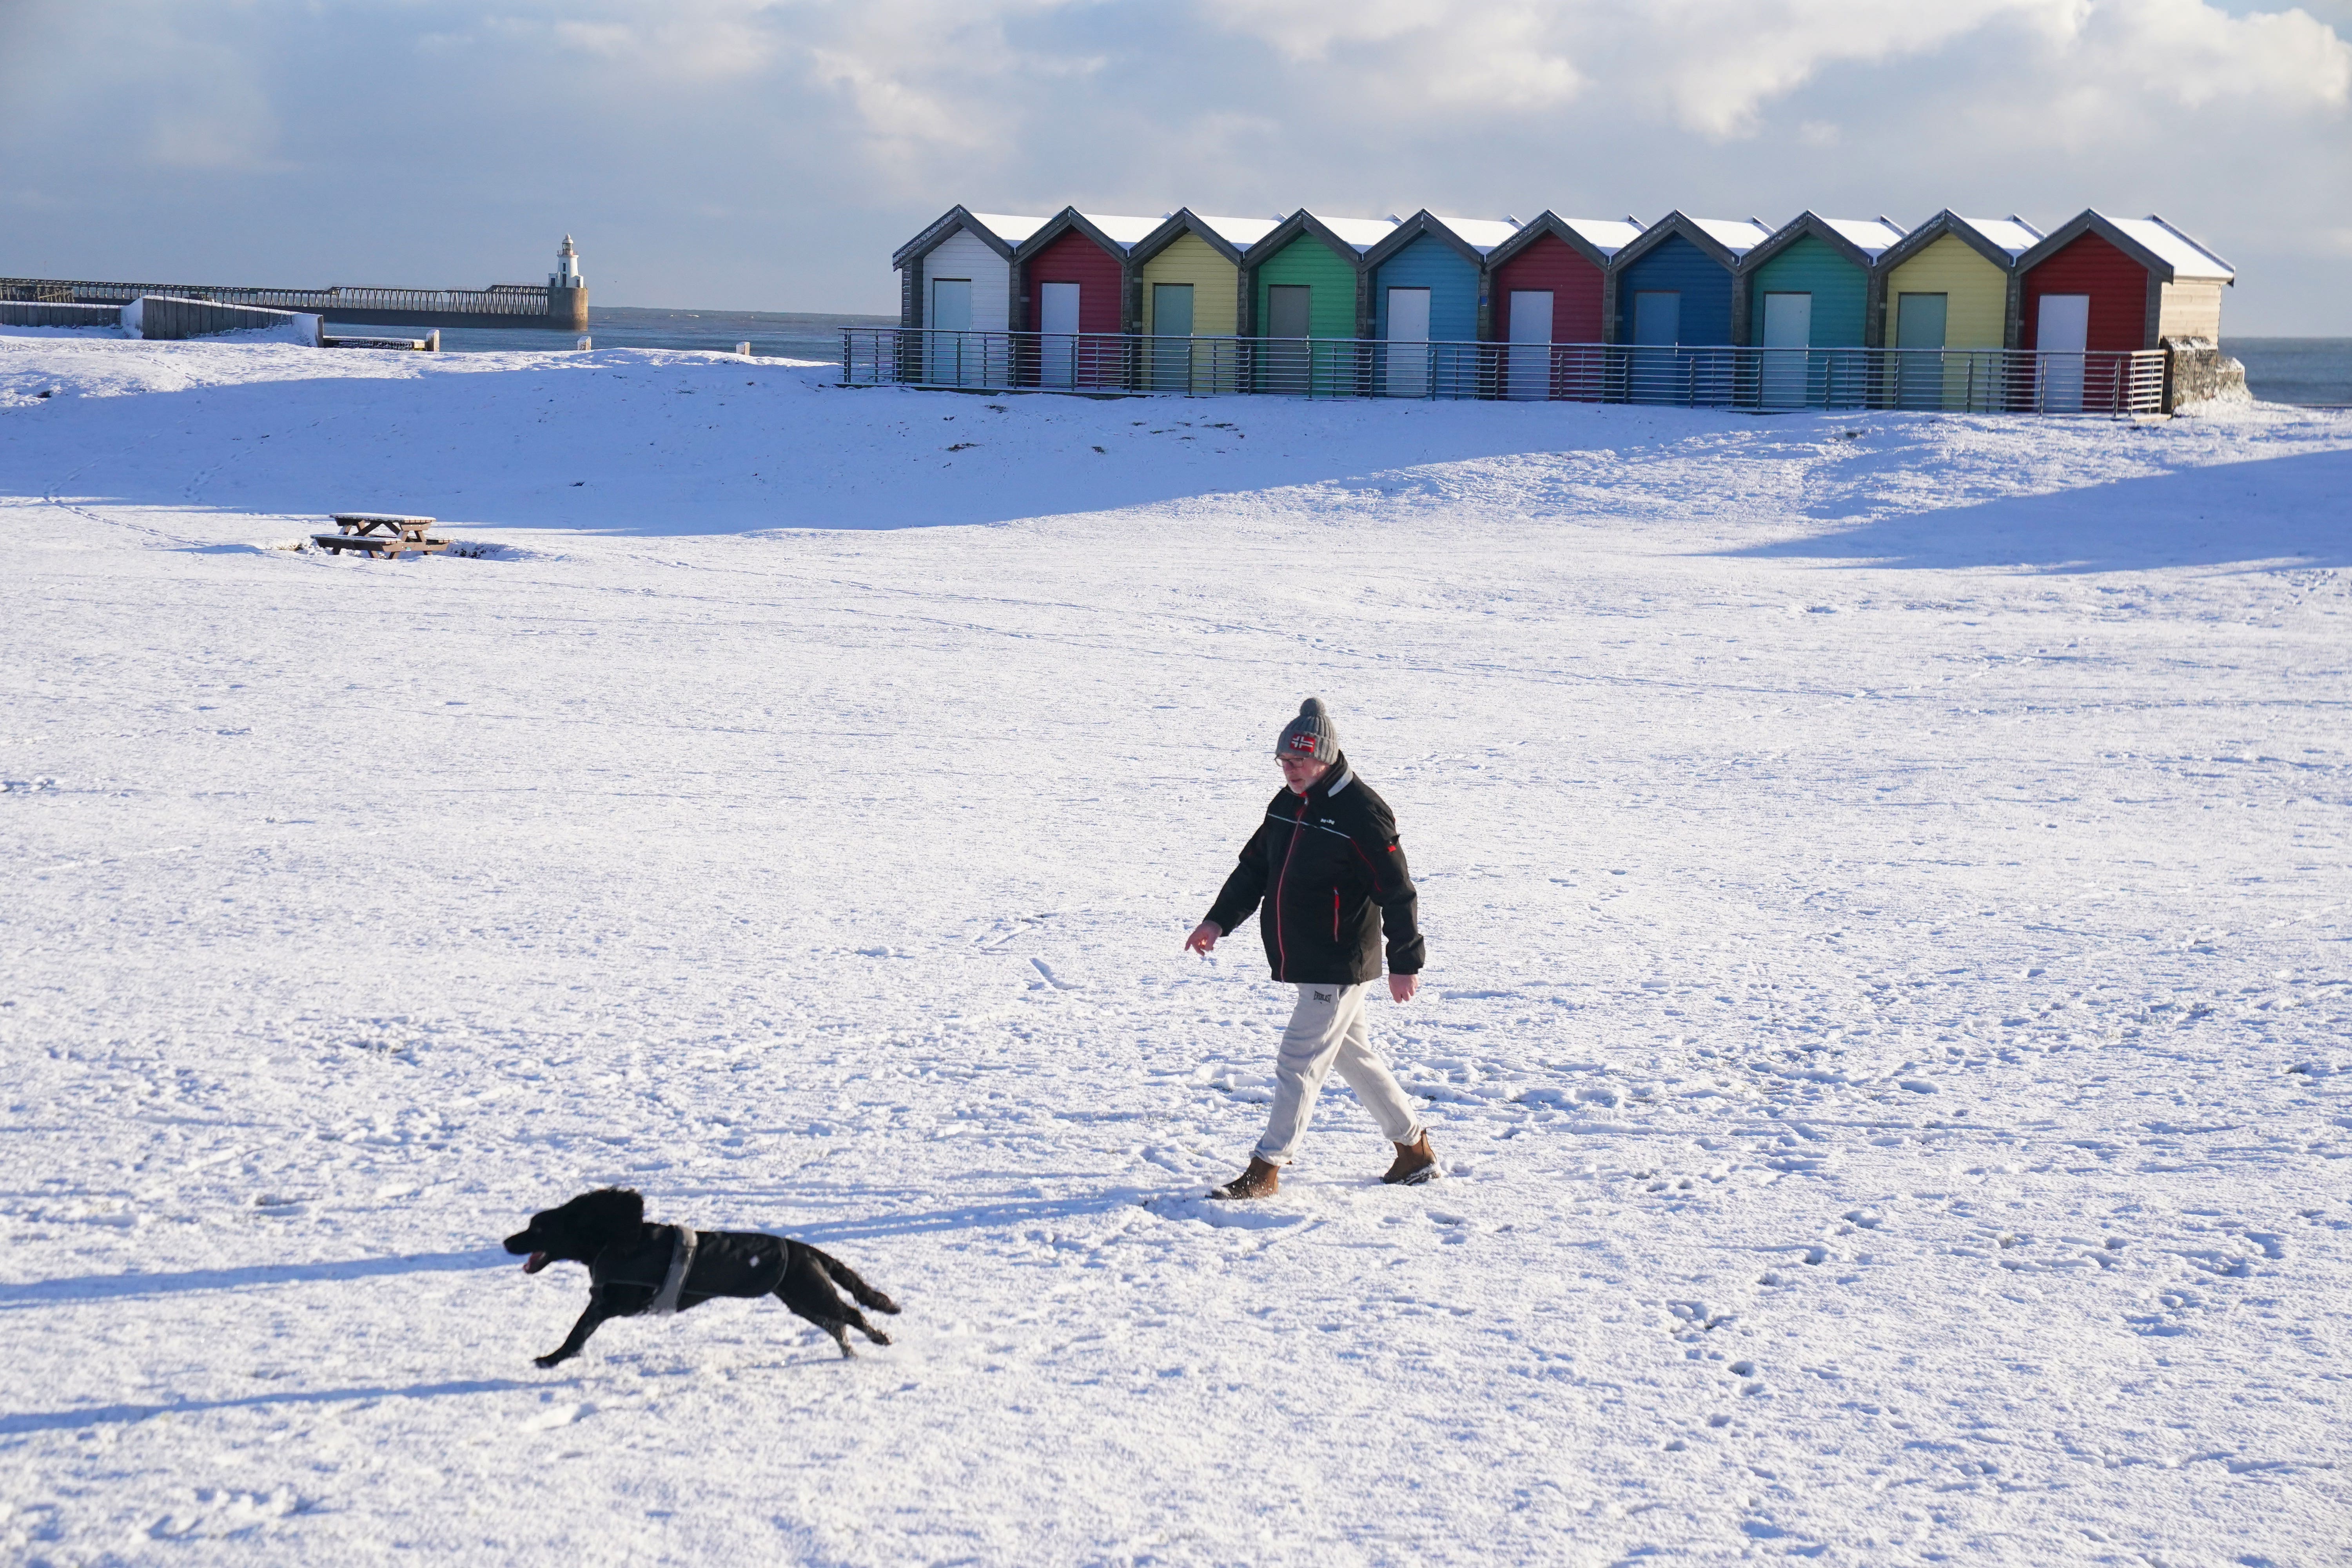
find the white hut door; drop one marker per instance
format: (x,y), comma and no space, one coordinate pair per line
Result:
(1057,319)
(2062,330)
(1530,374)
(1408,350)
(1788,328)
(953,359)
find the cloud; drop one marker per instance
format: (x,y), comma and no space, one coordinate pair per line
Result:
(1723,61)
(775,152)
(1393,54)
(1719,64)
(2193,54)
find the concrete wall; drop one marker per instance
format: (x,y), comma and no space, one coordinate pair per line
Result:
(2196,370)
(26,313)
(162,317)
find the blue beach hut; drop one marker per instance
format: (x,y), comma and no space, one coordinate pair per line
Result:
(1680,305)
(1429,278)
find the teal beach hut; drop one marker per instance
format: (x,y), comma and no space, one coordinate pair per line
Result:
(1815,284)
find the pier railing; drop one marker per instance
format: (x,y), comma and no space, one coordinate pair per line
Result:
(1981,381)
(518,300)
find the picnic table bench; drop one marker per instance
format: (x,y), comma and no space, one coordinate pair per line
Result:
(388,534)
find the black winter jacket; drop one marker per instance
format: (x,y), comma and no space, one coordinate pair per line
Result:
(627,1275)
(1329,869)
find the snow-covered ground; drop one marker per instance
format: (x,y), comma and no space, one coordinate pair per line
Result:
(1886,887)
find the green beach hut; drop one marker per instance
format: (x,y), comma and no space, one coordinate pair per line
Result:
(1306,281)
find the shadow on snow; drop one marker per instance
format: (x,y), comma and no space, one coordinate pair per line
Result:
(125,1287)
(105,1415)
(2279,509)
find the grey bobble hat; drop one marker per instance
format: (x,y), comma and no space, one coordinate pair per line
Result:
(1310,735)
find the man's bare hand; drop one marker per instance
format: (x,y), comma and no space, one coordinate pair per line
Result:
(1205,937)
(1403,986)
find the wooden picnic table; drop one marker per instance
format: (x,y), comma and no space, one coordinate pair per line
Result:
(388,534)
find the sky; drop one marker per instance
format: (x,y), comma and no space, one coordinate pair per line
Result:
(770,155)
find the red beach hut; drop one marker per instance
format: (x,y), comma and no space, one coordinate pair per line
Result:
(1552,287)
(2100,286)
(1070,283)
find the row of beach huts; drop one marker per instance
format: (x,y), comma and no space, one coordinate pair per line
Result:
(1956,311)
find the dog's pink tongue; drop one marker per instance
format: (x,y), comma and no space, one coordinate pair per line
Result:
(534,1263)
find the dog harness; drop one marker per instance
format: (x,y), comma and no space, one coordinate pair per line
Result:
(683,1244)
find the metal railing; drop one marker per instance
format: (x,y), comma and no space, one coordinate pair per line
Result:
(1757,379)
(498,300)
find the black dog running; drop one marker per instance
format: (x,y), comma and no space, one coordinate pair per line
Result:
(635,1267)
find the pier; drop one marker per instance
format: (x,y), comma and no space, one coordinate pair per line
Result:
(560,302)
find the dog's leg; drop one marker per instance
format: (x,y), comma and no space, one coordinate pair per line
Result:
(856,1320)
(588,1321)
(807,1291)
(846,1278)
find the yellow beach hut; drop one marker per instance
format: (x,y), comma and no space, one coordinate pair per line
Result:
(1950,285)
(1965,262)
(1189,274)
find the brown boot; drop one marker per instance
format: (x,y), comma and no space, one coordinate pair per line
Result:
(1415,1163)
(1262,1180)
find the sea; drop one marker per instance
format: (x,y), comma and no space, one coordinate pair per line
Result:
(777,334)
(2316,371)
(2312,371)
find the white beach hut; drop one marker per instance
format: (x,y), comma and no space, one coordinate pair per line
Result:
(956,284)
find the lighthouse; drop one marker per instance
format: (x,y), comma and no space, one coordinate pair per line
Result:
(567,295)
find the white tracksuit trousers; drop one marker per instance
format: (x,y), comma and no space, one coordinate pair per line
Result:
(1327,1029)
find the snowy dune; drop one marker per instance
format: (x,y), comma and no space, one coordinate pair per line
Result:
(1885,880)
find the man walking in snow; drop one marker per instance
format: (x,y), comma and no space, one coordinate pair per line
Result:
(1325,858)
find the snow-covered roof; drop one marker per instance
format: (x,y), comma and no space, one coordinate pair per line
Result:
(1123,231)
(2188,258)
(1874,235)
(1480,233)
(1736,235)
(1241,233)
(1607,236)
(1012,230)
(2011,234)
(1363,233)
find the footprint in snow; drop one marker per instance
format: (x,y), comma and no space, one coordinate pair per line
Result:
(556,1415)
(1257,1215)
